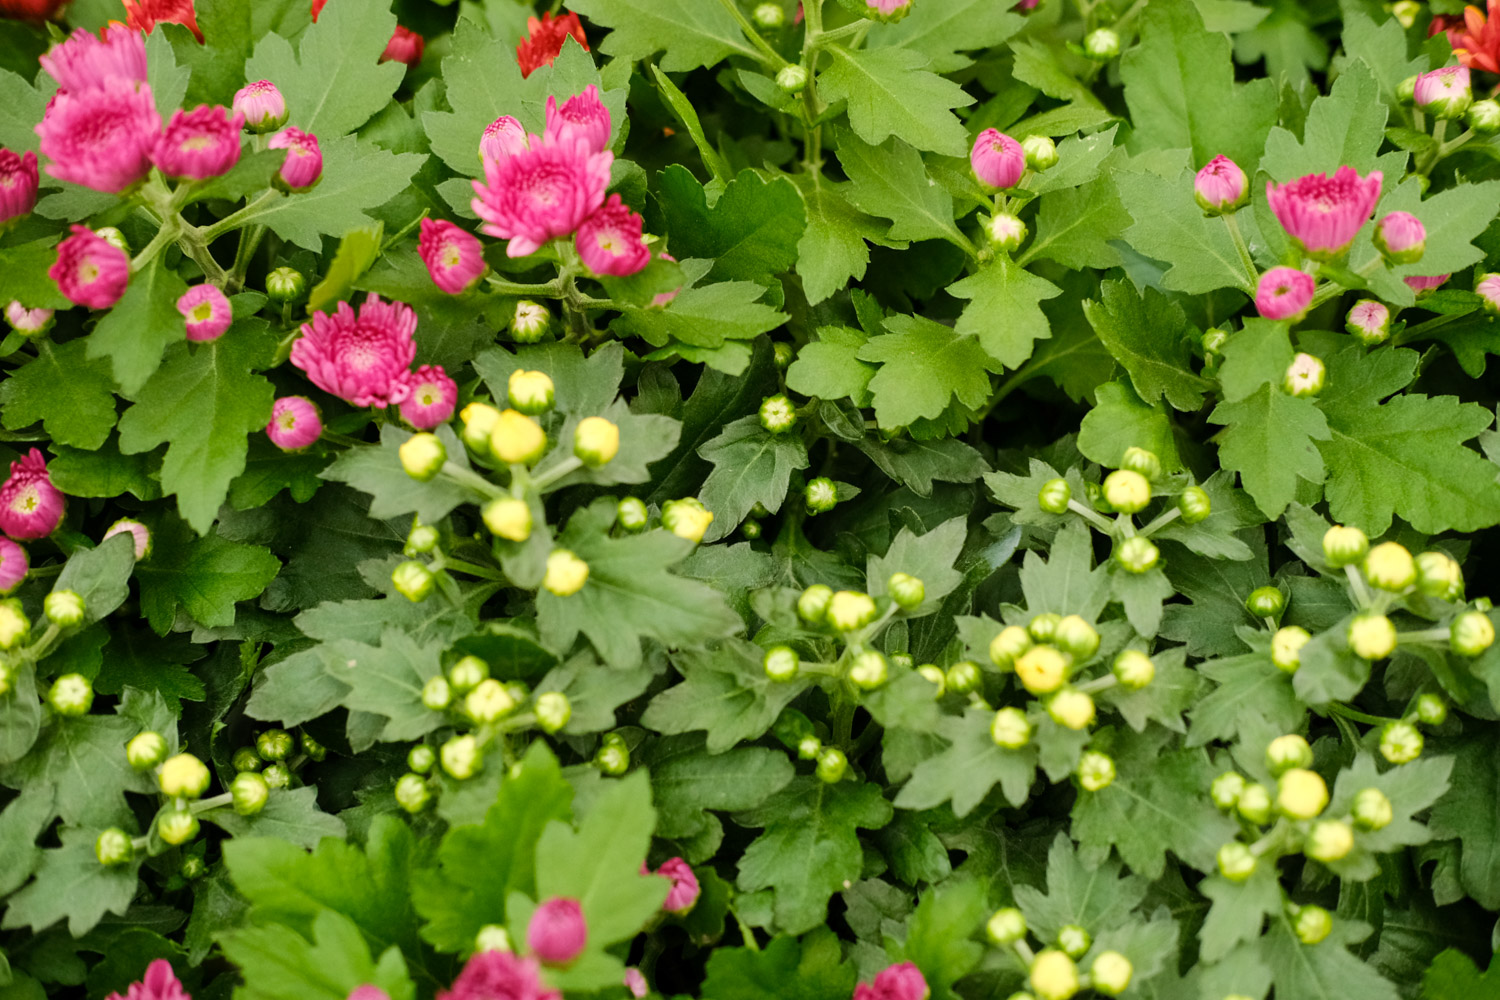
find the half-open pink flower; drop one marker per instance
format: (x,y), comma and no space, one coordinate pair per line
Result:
(582,116)
(295,423)
(557,932)
(684,893)
(159,983)
(262,106)
(1284,293)
(1221,186)
(206,311)
(405,46)
(90,271)
(30,506)
(101,138)
(503,138)
(542,193)
(1444,92)
(1425,283)
(1323,214)
(432,398)
(303,166)
(27,322)
(85,60)
(199,144)
(1488,288)
(454,256)
(1401,238)
(896,982)
(362,359)
(609,241)
(13,565)
(997,159)
(18,184)
(499,975)
(1369,320)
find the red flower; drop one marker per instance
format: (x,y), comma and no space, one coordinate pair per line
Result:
(544,40)
(405,46)
(317,8)
(30,10)
(144,15)
(1475,37)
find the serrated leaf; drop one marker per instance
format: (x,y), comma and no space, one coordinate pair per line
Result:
(1269,440)
(687,785)
(204,577)
(725,692)
(1067,583)
(832,249)
(377,470)
(72,885)
(1467,816)
(924,365)
(1076,226)
(290,814)
(1121,420)
(692,34)
(889,93)
(751,465)
(101,576)
(751,233)
(708,316)
(136,332)
(890,181)
(785,969)
(971,765)
(1004,309)
(387,681)
(918,464)
(829,367)
(1253,694)
(278,962)
(90,746)
(1149,336)
(1345,128)
(1078,893)
(1174,230)
(72,396)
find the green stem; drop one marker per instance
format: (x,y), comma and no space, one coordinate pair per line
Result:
(165,235)
(1356,715)
(250,238)
(550,290)
(1412,333)
(1431,159)
(1161,520)
(401,234)
(566,467)
(1426,635)
(472,479)
(236,219)
(769,55)
(1092,517)
(1097,684)
(464,566)
(1246,260)
(1357,585)
(746,933)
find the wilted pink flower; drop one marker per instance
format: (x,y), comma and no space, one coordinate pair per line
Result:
(1221,187)
(159,983)
(1443,92)
(1427,283)
(684,893)
(1284,293)
(295,423)
(997,159)
(27,322)
(609,241)
(30,506)
(140,535)
(206,311)
(1488,288)
(199,144)
(262,106)
(503,138)
(545,192)
(635,982)
(557,932)
(405,46)
(13,565)
(303,166)
(90,271)
(1323,213)
(18,183)
(582,116)
(101,138)
(499,975)
(368,992)
(432,398)
(144,15)
(454,257)
(896,982)
(1401,238)
(1369,320)
(361,359)
(86,61)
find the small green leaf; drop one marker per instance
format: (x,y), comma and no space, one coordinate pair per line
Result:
(923,365)
(889,93)
(725,692)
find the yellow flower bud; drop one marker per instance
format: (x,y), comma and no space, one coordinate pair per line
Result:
(849,610)
(596,441)
(1053,975)
(1072,709)
(488,701)
(1390,566)
(184,776)
(1042,669)
(1301,794)
(1127,491)
(566,573)
(517,439)
(687,518)
(509,518)
(1010,728)
(1286,647)
(1372,637)
(479,420)
(1328,841)
(1012,641)
(530,392)
(1111,973)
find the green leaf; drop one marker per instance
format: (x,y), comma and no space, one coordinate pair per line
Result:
(1068,583)
(889,93)
(1468,817)
(1090,895)
(1004,309)
(83,746)
(829,367)
(929,557)
(971,765)
(23,269)
(140,327)
(72,885)
(1253,695)
(832,249)
(1257,355)
(357,251)
(751,232)
(101,576)
(692,34)
(1216,590)
(918,464)
(1076,226)
(687,785)
(1383,50)
(725,692)
(1346,127)
(941,29)
(102,473)
(1269,440)
(21,822)
(923,365)
(73,397)
(291,815)
(205,577)
(784,969)
(937,937)
(19,114)
(377,470)
(751,466)
(708,316)
(688,115)
(1170,227)
(1121,420)
(20,716)
(1454,976)
(890,181)
(387,681)
(277,962)
(1239,911)
(1326,971)
(1149,336)
(1172,692)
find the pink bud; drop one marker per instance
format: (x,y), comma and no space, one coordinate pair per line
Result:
(662,299)
(199,144)
(684,893)
(295,423)
(13,567)
(90,271)
(1426,283)
(1444,92)
(27,322)
(888,10)
(206,311)
(997,159)
(454,257)
(1323,213)
(30,506)
(499,975)
(1369,320)
(433,396)
(1401,238)
(101,138)
(1488,288)
(86,61)
(582,118)
(1221,186)
(405,46)
(303,166)
(609,241)
(557,932)
(897,982)
(368,992)
(362,359)
(1284,293)
(503,138)
(140,535)
(635,982)
(18,184)
(262,105)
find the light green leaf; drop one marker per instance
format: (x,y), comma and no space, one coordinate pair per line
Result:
(1004,309)
(140,327)
(891,181)
(1268,439)
(751,233)
(751,465)
(72,396)
(829,367)
(941,29)
(725,692)
(72,885)
(889,93)
(923,366)
(203,576)
(1121,420)
(1076,226)
(1148,335)
(832,249)
(972,764)
(691,33)
(929,557)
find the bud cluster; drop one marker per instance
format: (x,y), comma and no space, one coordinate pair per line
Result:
(1052,971)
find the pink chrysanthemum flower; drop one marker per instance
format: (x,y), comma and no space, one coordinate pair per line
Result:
(1401,238)
(503,138)
(101,138)
(432,398)
(1284,293)
(582,116)
(30,506)
(405,46)
(542,193)
(609,241)
(140,535)
(1425,283)
(361,359)
(295,423)
(1369,320)
(499,975)
(684,893)
(897,982)
(159,983)
(199,144)
(86,61)
(206,311)
(557,932)
(454,257)
(997,159)
(90,271)
(18,184)
(1444,92)
(303,166)
(27,322)
(1488,288)
(262,105)
(1221,186)
(13,565)
(1321,213)
(368,992)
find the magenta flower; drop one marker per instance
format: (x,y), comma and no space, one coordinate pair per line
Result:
(86,61)
(101,138)
(997,159)
(454,257)
(503,138)
(1488,288)
(30,506)
(635,982)
(609,241)
(432,398)
(206,311)
(499,975)
(1369,320)
(13,565)
(1321,213)
(361,359)
(557,932)
(892,10)
(896,982)
(303,166)
(27,322)
(140,535)
(1221,186)
(405,46)
(199,144)
(583,116)
(261,105)
(1444,92)
(684,893)
(541,193)
(1284,293)
(159,983)
(90,271)
(1401,238)
(1420,284)
(18,183)
(295,423)
(368,992)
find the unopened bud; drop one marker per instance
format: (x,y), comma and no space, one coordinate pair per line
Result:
(177,827)
(1006,927)
(1053,975)
(596,441)
(517,439)
(1007,232)
(246,759)
(1012,641)
(1265,602)
(850,610)
(146,750)
(1286,647)
(906,590)
(1432,710)
(277,775)
(1111,973)
(285,284)
(530,322)
(1440,576)
(530,393)
(631,515)
(1484,116)
(1133,669)
(1141,461)
(422,538)
(468,673)
(461,757)
(64,608)
(422,456)
(492,937)
(71,695)
(274,744)
(566,573)
(508,518)
(1071,709)
(113,848)
(687,518)
(1287,752)
(1194,505)
(1328,841)
(1101,45)
(1371,637)
(1235,861)
(411,793)
(421,758)
(1400,742)
(832,765)
(479,420)
(184,776)
(812,603)
(489,701)
(1389,566)
(933,674)
(437,694)
(792,79)
(1043,627)
(553,711)
(869,670)
(1137,555)
(1010,729)
(249,793)
(412,581)
(1041,152)
(1226,790)
(964,677)
(15,627)
(1471,634)
(1254,804)
(1370,321)
(769,16)
(114,238)
(1096,771)
(1127,491)
(777,414)
(1075,941)
(1054,496)
(781,664)
(1301,794)
(1304,376)
(1076,637)
(821,495)
(1372,810)
(1343,546)
(1312,924)
(1042,669)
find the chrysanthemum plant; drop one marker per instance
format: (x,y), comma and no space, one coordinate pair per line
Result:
(875,499)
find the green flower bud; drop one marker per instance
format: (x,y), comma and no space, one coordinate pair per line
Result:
(1041,152)
(531,393)
(631,515)
(1053,975)
(1137,555)
(1287,752)
(71,695)
(1328,841)
(1111,973)
(285,284)
(479,420)
(113,848)
(781,664)
(778,414)
(508,518)
(1471,634)
(553,711)
(412,581)
(1265,602)
(1133,669)
(1286,647)
(1312,924)
(530,322)
(1072,709)
(15,627)
(246,759)
(1054,496)
(782,354)
(792,79)
(821,495)
(849,610)
(422,456)
(566,573)
(467,673)
(1304,376)
(421,758)
(1101,45)
(1142,461)
(1006,926)
(1405,12)
(812,604)
(613,759)
(422,538)
(1301,794)
(1043,626)
(1484,116)
(461,757)
(1236,863)
(1011,642)
(177,827)
(1371,637)
(1096,771)
(1440,576)
(596,441)
(906,590)
(1127,491)
(1406,90)
(1194,505)
(277,775)
(903,660)
(808,747)
(1076,637)
(184,776)
(1226,790)
(1372,810)
(437,693)
(1213,340)
(492,937)
(192,867)
(868,671)
(687,518)
(412,793)
(750,530)
(832,765)
(1255,804)
(1400,742)
(1390,566)
(146,750)
(1010,729)
(1021,995)
(274,744)
(249,792)
(1074,941)
(1096,498)
(1432,710)
(315,751)
(1007,232)
(934,676)
(1042,669)
(964,677)
(1344,546)
(489,701)
(64,608)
